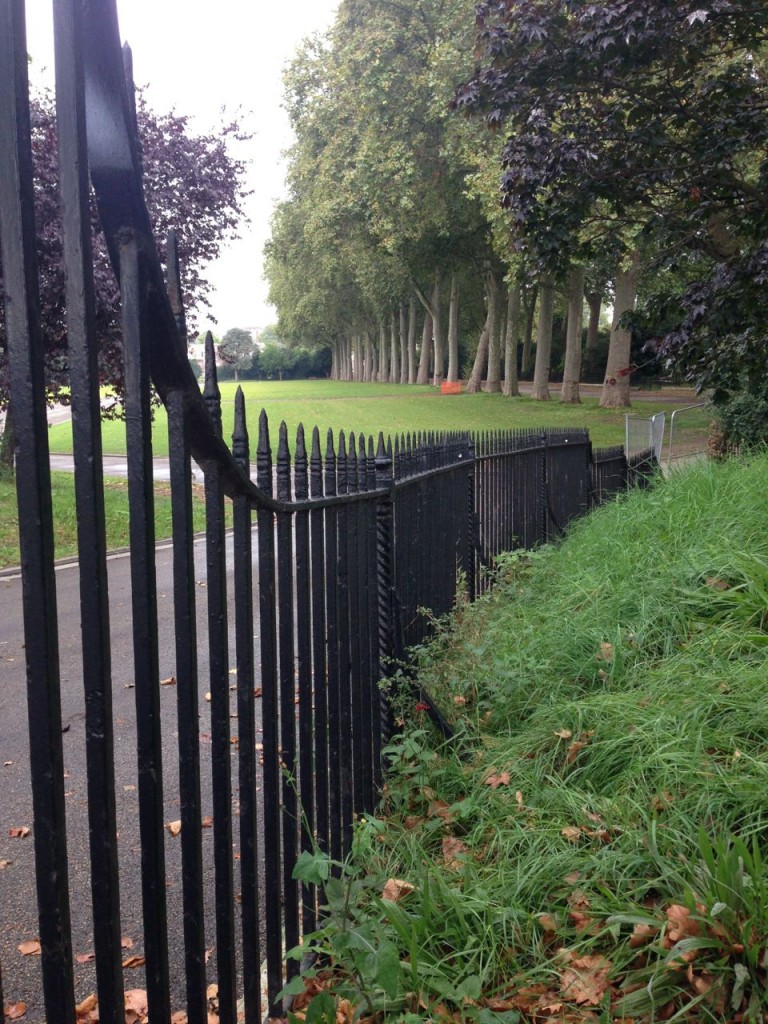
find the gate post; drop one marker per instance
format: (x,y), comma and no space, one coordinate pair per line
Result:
(385,579)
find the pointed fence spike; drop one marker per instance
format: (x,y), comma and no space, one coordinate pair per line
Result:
(240,440)
(211,392)
(283,464)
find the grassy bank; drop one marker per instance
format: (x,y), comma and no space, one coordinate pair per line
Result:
(65,519)
(591,845)
(394,408)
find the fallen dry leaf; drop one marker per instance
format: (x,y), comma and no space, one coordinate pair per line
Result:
(680,925)
(459,701)
(170,681)
(136,1007)
(453,850)
(396,889)
(134,961)
(212,992)
(126,942)
(571,833)
(19,831)
(257,691)
(7,764)
(180,1017)
(208,697)
(174,827)
(642,934)
(5,864)
(564,734)
(207,822)
(13,1011)
(548,922)
(585,980)
(574,750)
(439,809)
(519,800)
(606,652)
(716,583)
(345,1013)
(85,958)
(494,781)
(87,1006)
(29,948)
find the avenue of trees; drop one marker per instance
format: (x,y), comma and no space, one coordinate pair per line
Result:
(464,175)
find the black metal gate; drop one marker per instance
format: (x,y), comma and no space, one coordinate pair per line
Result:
(353,542)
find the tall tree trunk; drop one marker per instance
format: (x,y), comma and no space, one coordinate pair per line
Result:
(493,377)
(572,370)
(453,330)
(437,331)
(481,358)
(368,358)
(403,344)
(383,355)
(334,360)
(8,445)
(510,386)
(374,357)
(422,377)
(412,325)
(529,303)
(544,341)
(615,393)
(595,302)
(394,350)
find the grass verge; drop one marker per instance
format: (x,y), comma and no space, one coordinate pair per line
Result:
(65,518)
(394,408)
(590,847)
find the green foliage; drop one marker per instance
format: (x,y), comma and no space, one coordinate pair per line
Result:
(743,419)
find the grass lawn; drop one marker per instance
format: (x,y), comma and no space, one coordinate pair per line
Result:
(65,520)
(592,846)
(393,408)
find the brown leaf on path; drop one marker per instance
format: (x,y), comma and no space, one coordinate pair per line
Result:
(13,1011)
(213,1018)
(453,850)
(494,781)
(170,681)
(212,992)
(134,961)
(207,821)
(19,831)
(126,942)
(585,980)
(180,1017)
(29,948)
(84,958)
(5,864)
(396,889)
(257,691)
(87,1006)
(136,1006)
(174,827)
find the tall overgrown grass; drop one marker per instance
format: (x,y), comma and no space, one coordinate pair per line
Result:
(602,810)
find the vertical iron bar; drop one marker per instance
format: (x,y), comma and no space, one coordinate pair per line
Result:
(307,712)
(269,711)
(384,584)
(246,724)
(355,645)
(218,658)
(318,645)
(33,487)
(89,491)
(332,627)
(290,823)
(373,619)
(138,418)
(344,750)
(187,695)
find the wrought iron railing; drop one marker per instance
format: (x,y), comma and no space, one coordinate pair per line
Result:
(353,543)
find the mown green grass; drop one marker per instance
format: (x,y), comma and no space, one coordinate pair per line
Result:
(65,517)
(610,698)
(392,408)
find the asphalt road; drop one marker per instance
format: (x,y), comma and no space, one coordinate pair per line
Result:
(18,922)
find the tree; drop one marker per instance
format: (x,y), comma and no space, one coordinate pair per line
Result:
(236,348)
(192,183)
(640,123)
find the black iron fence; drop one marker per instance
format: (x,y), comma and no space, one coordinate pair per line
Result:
(357,547)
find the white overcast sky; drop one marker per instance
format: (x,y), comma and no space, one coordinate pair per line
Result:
(197,58)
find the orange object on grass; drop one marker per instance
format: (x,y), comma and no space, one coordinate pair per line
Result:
(450,387)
